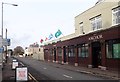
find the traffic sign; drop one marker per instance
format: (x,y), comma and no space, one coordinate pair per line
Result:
(5,42)
(1,50)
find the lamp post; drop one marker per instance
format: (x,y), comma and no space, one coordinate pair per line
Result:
(2,27)
(2,14)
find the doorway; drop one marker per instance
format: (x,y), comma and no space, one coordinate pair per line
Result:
(96,54)
(54,54)
(64,53)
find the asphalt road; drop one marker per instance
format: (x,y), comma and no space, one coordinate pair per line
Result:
(44,71)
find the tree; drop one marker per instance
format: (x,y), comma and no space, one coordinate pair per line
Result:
(18,50)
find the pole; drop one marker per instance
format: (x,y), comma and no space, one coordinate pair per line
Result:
(1,45)
(2,22)
(2,38)
(6,47)
(2,30)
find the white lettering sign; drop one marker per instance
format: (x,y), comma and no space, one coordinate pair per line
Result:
(95,37)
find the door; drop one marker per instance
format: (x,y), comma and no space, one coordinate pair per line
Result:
(54,54)
(96,54)
(64,53)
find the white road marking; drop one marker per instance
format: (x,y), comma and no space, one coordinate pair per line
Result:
(44,68)
(78,70)
(67,76)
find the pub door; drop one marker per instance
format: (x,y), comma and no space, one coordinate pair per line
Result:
(54,54)
(64,53)
(96,54)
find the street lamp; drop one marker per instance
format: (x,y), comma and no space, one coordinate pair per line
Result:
(2,27)
(2,14)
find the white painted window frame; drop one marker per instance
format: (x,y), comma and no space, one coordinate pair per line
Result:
(115,11)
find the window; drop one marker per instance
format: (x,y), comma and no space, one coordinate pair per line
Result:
(51,52)
(109,49)
(71,52)
(83,50)
(116,50)
(116,15)
(113,49)
(96,22)
(81,28)
(59,52)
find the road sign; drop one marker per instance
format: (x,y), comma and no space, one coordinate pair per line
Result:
(1,50)
(21,74)
(5,42)
(8,42)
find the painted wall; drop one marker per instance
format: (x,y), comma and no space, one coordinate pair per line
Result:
(103,8)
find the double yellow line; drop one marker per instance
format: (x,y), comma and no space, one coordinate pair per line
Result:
(29,74)
(31,77)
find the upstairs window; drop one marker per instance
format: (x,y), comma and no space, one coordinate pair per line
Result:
(81,28)
(96,22)
(116,15)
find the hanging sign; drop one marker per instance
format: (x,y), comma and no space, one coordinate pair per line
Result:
(95,37)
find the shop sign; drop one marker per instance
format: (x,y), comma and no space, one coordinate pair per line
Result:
(95,37)
(21,74)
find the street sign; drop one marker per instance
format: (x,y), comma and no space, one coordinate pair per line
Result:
(5,42)
(21,74)
(8,42)
(1,50)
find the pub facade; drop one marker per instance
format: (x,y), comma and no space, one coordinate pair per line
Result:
(96,41)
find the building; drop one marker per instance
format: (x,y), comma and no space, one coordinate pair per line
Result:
(96,41)
(35,51)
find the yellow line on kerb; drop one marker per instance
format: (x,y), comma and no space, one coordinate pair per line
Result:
(32,77)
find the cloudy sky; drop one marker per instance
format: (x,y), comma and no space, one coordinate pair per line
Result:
(32,20)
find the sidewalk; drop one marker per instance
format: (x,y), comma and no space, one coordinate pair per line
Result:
(7,73)
(113,75)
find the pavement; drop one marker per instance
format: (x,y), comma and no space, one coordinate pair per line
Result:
(112,75)
(9,75)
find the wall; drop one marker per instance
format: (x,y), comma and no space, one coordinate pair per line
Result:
(103,8)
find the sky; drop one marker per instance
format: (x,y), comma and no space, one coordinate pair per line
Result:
(33,20)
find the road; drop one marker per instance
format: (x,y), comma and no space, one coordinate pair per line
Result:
(45,71)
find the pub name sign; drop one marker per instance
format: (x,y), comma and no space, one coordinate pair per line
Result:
(95,37)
